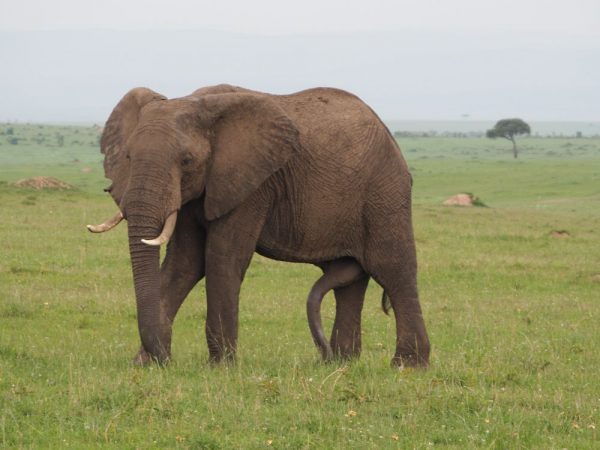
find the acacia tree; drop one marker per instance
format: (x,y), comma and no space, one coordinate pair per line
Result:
(508,129)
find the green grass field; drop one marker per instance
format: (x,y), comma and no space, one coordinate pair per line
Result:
(512,310)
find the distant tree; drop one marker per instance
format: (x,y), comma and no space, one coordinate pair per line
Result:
(508,129)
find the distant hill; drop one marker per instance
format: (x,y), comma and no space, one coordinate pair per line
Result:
(78,76)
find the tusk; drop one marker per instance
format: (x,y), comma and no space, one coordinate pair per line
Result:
(166,233)
(108,225)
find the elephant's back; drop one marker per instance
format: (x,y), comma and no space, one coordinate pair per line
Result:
(327,109)
(337,128)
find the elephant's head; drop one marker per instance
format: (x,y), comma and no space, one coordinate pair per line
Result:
(162,153)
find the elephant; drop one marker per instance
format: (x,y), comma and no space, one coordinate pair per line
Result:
(310,177)
(337,274)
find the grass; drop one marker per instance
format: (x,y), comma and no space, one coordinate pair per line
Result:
(512,312)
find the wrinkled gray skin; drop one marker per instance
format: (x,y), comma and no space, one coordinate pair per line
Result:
(311,177)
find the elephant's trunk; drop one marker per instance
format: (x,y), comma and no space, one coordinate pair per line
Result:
(154,330)
(152,195)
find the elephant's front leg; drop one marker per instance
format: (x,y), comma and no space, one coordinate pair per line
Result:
(230,244)
(180,271)
(346,333)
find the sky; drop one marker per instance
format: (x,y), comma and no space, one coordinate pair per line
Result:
(307,16)
(72,60)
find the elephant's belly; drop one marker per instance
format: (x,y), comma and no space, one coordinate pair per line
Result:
(293,255)
(282,253)
(304,241)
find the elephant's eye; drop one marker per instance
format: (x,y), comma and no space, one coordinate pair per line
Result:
(187,160)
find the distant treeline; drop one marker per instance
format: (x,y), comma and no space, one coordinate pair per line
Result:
(433,133)
(480,134)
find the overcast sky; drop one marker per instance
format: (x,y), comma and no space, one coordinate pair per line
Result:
(437,59)
(279,16)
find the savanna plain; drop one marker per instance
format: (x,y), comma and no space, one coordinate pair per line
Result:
(510,293)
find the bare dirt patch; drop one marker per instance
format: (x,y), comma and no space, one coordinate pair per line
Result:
(39,183)
(464,199)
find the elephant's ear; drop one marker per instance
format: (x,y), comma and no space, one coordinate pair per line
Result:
(121,123)
(252,138)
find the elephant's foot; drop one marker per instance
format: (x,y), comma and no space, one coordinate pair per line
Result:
(412,361)
(326,354)
(340,360)
(222,358)
(346,353)
(143,359)
(221,350)
(347,347)
(411,358)
(346,340)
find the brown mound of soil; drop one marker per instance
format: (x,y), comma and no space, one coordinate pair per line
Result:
(42,183)
(459,200)
(464,199)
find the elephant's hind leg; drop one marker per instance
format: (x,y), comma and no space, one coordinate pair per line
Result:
(412,342)
(346,332)
(336,275)
(390,258)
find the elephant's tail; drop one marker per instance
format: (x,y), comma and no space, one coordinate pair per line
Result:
(386,304)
